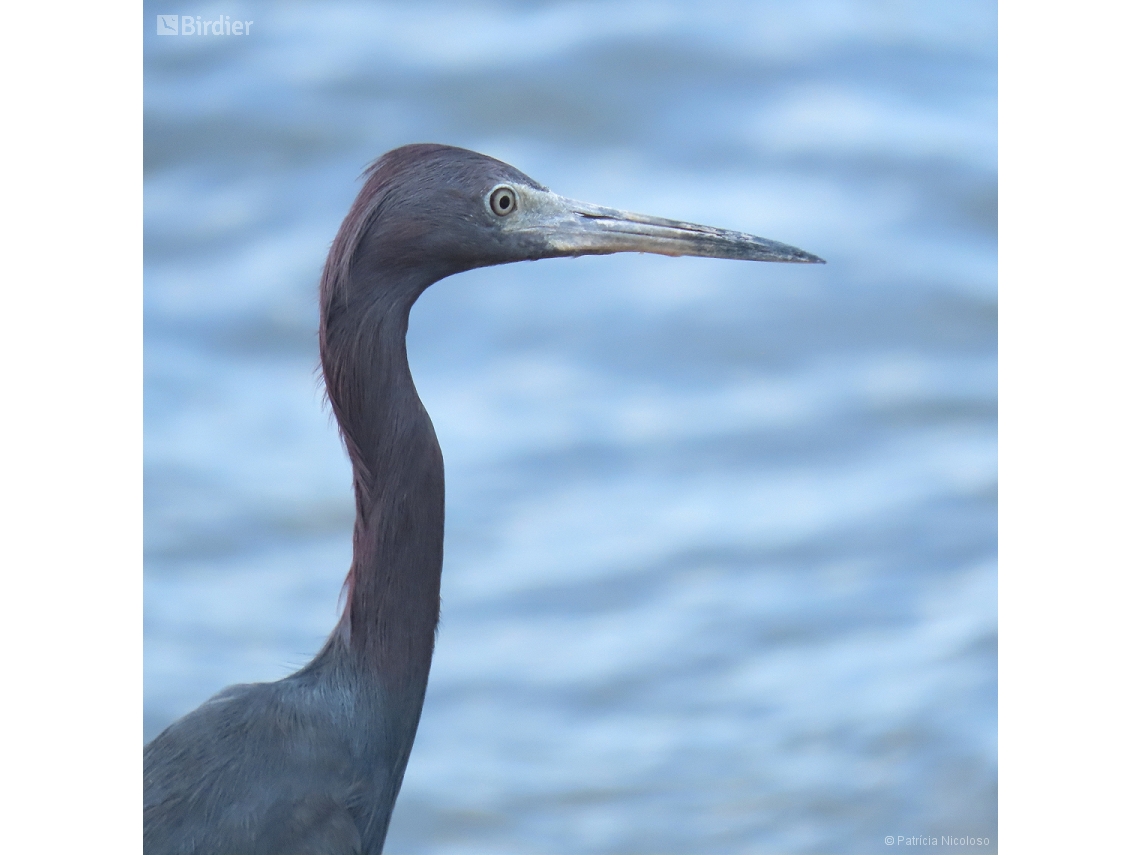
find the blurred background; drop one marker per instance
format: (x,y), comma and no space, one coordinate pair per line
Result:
(720,568)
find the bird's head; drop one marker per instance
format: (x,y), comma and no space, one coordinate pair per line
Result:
(428,211)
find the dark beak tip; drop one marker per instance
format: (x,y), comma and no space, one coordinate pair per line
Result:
(802,257)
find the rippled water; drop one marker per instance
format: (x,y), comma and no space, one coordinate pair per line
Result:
(720,565)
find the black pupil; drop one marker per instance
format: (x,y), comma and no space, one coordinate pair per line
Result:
(504,201)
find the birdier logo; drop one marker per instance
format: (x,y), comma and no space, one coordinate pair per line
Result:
(193,25)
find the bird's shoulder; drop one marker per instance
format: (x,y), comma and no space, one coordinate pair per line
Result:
(257,768)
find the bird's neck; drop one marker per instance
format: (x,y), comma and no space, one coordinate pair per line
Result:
(390,618)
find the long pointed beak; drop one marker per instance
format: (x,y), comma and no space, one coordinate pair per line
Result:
(570,227)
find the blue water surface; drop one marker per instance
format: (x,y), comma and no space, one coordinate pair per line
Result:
(720,569)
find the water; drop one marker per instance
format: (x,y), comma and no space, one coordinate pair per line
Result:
(720,565)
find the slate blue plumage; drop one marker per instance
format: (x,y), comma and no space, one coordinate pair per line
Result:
(313,763)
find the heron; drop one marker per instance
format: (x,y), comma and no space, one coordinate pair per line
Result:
(312,764)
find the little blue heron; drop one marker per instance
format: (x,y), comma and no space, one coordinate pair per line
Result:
(312,763)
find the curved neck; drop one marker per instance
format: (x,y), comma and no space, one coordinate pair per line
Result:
(397,469)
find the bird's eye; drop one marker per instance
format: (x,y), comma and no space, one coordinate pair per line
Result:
(503,201)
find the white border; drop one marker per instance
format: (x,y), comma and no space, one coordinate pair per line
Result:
(1069,426)
(71,610)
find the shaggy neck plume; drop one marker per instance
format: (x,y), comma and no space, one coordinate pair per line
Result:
(393,584)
